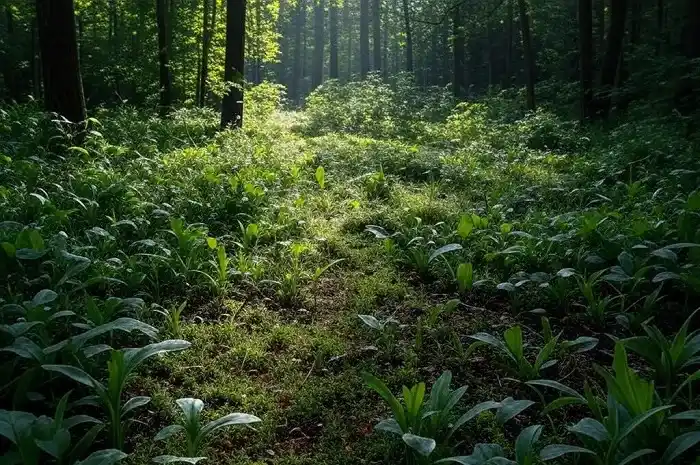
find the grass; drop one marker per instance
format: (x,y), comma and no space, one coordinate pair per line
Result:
(289,349)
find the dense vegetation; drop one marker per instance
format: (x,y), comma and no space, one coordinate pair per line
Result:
(378,268)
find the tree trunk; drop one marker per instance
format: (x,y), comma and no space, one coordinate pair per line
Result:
(257,70)
(458,52)
(333,13)
(409,38)
(347,24)
(9,68)
(385,42)
(283,31)
(613,54)
(63,87)
(300,24)
(376,35)
(528,51)
(232,107)
(660,29)
(364,38)
(585,24)
(36,63)
(509,46)
(692,29)
(166,85)
(600,13)
(203,70)
(319,19)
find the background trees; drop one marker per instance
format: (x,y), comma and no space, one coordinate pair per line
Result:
(171,52)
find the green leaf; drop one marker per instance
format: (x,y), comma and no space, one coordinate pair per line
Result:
(510,408)
(191,408)
(103,457)
(591,428)
(472,413)
(74,373)
(231,419)
(679,445)
(175,459)
(57,445)
(43,297)
(389,425)
(555,385)
(443,250)
(465,276)
(635,455)
(211,243)
(525,442)
(638,420)
(465,226)
(554,451)
(321,177)
(168,431)
(381,389)
(134,357)
(134,403)
(424,446)
(514,341)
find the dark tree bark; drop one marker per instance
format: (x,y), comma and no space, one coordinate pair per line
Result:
(660,29)
(319,19)
(36,63)
(63,87)
(509,46)
(692,29)
(347,24)
(409,37)
(297,66)
(613,54)
(376,35)
(7,57)
(385,42)
(600,14)
(458,52)
(530,71)
(166,85)
(635,21)
(333,36)
(585,24)
(364,38)
(232,106)
(204,65)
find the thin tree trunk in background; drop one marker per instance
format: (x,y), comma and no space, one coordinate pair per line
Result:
(457,52)
(333,33)
(490,53)
(660,29)
(63,87)
(600,13)
(409,38)
(8,63)
(257,70)
(635,21)
(528,51)
(232,106)
(36,62)
(206,43)
(509,46)
(692,29)
(317,68)
(283,31)
(385,42)
(300,24)
(364,38)
(377,35)
(163,58)
(348,31)
(585,23)
(613,54)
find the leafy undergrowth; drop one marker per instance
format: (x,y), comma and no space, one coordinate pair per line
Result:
(271,241)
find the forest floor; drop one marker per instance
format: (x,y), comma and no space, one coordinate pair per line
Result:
(316,226)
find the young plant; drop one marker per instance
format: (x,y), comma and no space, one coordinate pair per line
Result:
(465,277)
(321,177)
(425,425)
(386,328)
(120,369)
(597,307)
(172,317)
(486,454)
(195,432)
(512,349)
(668,357)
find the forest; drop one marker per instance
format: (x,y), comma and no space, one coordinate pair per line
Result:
(332,232)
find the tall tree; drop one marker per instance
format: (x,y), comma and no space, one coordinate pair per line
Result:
(166,85)
(458,51)
(377,35)
(409,36)
(509,45)
(364,38)
(63,87)
(585,25)
(232,105)
(692,29)
(347,25)
(530,71)
(206,42)
(333,36)
(613,54)
(297,66)
(317,68)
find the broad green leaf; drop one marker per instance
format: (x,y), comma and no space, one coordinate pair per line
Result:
(443,250)
(377,385)
(525,442)
(168,431)
(134,403)
(554,451)
(389,425)
(679,445)
(472,413)
(370,321)
(229,420)
(134,357)
(424,446)
(103,457)
(175,459)
(74,373)
(591,428)
(555,385)
(635,455)
(43,297)
(509,408)
(465,226)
